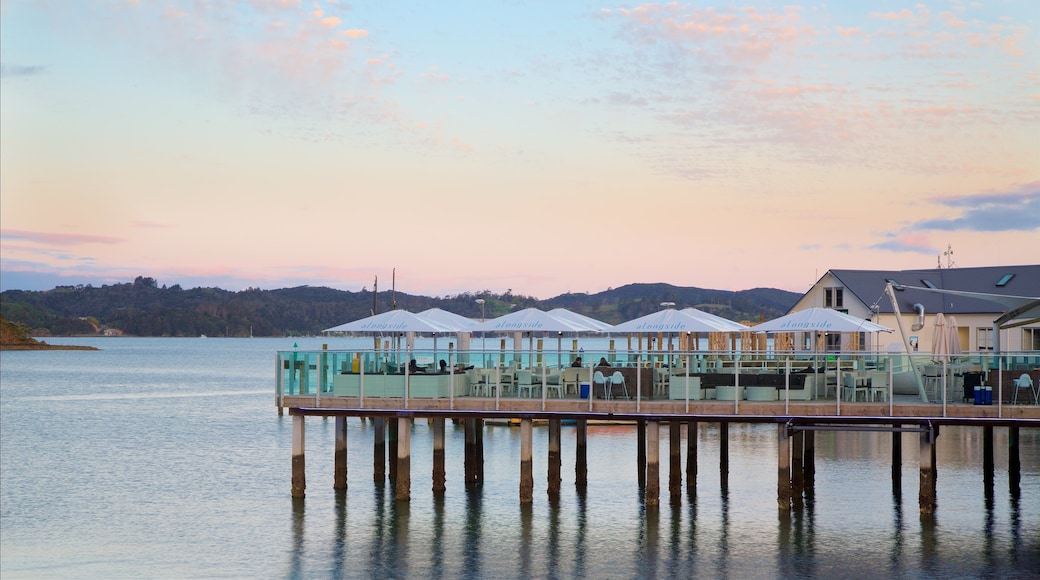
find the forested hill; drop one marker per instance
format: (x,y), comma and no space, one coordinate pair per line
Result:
(144,308)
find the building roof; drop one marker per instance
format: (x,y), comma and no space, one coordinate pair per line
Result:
(868,286)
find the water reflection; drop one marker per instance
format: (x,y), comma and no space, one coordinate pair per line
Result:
(296,553)
(472,528)
(580,531)
(339,544)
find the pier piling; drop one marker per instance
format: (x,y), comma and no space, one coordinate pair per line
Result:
(299,477)
(897,457)
(641,451)
(469,427)
(438,455)
(724,453)
(392,428)
(987,457)
(809,462)
(653,462)
(674,459)
(339,478)
(797,469)
(926,493)
(379,450)
(783,469)
(552,487)
(526,466)
(691,457)
(403,484)
(581,460)
(1014,462)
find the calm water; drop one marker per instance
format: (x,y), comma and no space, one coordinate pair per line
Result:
(166,458)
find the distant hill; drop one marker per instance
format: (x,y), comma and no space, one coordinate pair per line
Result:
(143,308)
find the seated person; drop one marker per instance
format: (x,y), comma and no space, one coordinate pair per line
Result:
(443,366)
(413,367)
(807,369)
(602,362)
(577,362)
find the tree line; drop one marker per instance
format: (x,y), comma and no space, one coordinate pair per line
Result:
(144,308)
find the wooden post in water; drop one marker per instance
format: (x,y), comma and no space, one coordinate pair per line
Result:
(724,453)
(691,457)
(526,465)
(553,484)
(926,493)
(809,461)
(653,462)
(299,477)
(581,461)
(379,450)
(674,459)
(783,468)
(339,478)
(403,483)
(470,450)
(987,457)
(797,469)
(641,451)
(478,448)
(1014,462)
(438,455)
(392,428)
(897,458)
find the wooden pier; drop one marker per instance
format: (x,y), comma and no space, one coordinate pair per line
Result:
(795,448)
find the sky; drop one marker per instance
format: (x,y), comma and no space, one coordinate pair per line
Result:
(533,147)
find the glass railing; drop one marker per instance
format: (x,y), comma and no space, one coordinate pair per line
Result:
(850,377)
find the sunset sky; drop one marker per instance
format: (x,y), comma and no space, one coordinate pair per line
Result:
(542,147)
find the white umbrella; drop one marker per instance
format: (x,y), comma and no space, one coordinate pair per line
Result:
(455,322)
(590,324)
(391,321)
(940,339)
(587,323)
(954,336)
(528,320)
(819,320)
(671,320)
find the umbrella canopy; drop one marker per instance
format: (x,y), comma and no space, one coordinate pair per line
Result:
(954,336)
(454,322)
(391,321)
(671,320)
(586,322)
(940,338)
(528,320)
(820,320)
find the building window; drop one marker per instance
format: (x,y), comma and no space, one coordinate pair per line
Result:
(985,336)
(1031,339)
(833,297)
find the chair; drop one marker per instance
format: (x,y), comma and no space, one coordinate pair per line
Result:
(523,383)
(618,379)
(571,378)
(851,388)
(1025,382)
(660,381)
(599,379)
(932,375)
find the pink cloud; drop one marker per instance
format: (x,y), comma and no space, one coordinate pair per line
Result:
(848,32)
(57,239)
(901,15)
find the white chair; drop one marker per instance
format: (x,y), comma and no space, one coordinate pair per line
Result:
(599,379)
(660,381)
(523,383)
(571,378)
(1025,382)
(618,379)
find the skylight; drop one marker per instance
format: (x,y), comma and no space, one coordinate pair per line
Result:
(928,283)
(895,284)
(1005,279)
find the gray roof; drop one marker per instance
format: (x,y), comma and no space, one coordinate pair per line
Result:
(869,285)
